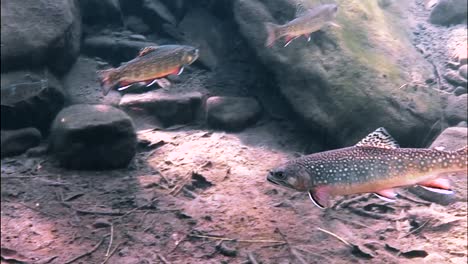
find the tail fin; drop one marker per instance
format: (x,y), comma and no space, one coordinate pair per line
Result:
(107,80)
(272,35)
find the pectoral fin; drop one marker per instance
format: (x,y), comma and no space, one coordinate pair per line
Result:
(319,196)
(334,24)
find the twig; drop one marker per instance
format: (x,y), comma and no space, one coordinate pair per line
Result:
(163,259)
(336,236)
(28,176)
(413,200)
(37,210)
(111,239)
(112,253)
(362,212)
(176,190)
(417,229)
(139,207)
(291,250)
(96,212)
(87,253)
(252,258)
(403,86)
(238,240)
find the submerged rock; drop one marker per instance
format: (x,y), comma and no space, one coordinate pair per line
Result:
(157,9)
(463,71)
(459,91)
(39,33)
(30,99)
(169,109)
(100,11)
(15,142)
(454,78)
(232,113)
(344,83)
(447,12)
(93,137)
(456,110)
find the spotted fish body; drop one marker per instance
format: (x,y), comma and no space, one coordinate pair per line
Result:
(374,165)
(306,22)
(152,63)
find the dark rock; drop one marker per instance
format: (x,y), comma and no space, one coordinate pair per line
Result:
(169,109)
(82,86)
(232,113)
(156,8)
(29,99)
(114,49)
(456,110)
(454,78)
(447,12)
(100,12)
(459,91)
(136,24)
(101,223)
(15,142)
(463,70)
(335,86)
(93,137)
(212,43)
(38,151)
(38,33)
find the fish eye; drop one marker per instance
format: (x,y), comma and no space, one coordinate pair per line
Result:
(279,175)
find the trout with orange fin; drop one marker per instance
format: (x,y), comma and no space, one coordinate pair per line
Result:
(152,64)
(374,165)
(306,22)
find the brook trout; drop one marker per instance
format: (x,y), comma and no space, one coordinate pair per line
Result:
(306,22)
(152,64)
(374,165)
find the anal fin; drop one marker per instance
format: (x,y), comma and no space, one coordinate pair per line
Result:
(388,195)
(439,185)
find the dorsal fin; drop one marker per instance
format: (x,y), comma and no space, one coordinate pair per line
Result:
(146,50)
(300,9)
(380,138)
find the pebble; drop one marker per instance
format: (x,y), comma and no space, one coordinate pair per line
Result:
(463,71)
(459,91)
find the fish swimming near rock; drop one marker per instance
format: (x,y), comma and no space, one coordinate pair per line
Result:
(152,64)
(306,22)
(374,165)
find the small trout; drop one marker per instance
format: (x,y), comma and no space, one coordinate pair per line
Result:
(152,64)
(375,165)
(306,22)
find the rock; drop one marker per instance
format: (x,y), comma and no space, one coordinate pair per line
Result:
(169,109)
(137,37)
(460,53)
(30,99)
(456,110)
(462,124)
(340,87)
(459,91)
(15,142)
(113,49)
(385,3)
(157,9)
(463,71)
(137,25)
(452,138)
(93,137)
(101,223)
(213,44)
(232,113)
(39,33)
(102,12)
(38,151)
(447,12)
(82,86)
(454,78)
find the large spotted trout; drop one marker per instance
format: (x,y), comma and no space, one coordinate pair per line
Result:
(152,64)
(374,165)
(306,22)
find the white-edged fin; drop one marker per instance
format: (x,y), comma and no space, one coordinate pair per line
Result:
(334,24)
(437,190)
(309,38)
(289,41)
(151,83)
(146,50)
(380,138)
(123,87)
(181,70)
(314,200)
(384,198)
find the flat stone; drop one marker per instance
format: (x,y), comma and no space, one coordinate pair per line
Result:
(232,113)
(169,109)
(93,137)
(15,142)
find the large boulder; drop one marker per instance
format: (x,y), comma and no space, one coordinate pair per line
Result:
(447,12)
(30,99)
(232,113)
(82,86)
(38,33)
(93,137)
(15,142)
(456,110)
(167,108)
(346,81)
(100,11)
